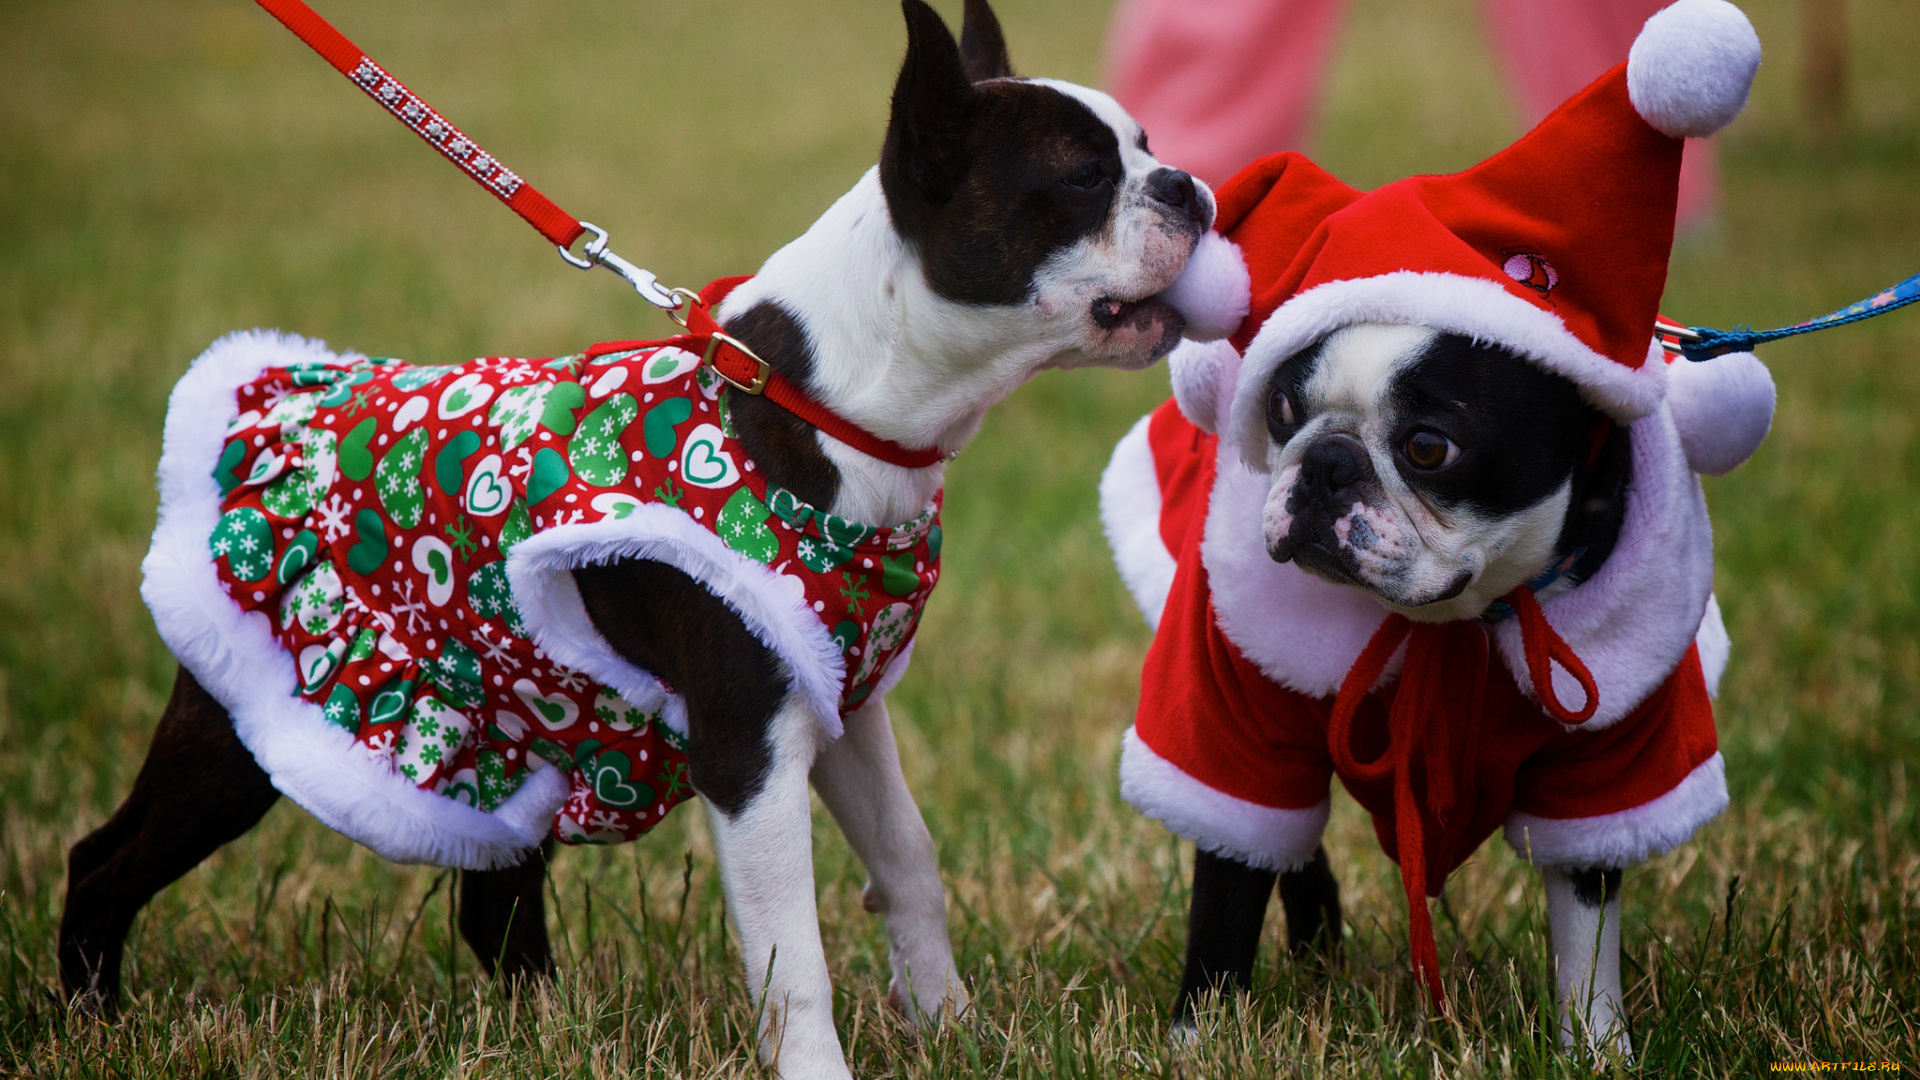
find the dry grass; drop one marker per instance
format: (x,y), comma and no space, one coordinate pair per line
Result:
(170,171)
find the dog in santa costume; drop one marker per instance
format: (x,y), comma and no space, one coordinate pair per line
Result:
(1428,520)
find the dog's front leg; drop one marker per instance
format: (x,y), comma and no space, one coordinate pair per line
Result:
(859,779)
(765,848)
(1223,931)
(1583,912)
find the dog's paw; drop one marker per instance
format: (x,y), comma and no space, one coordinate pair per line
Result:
(931,1004)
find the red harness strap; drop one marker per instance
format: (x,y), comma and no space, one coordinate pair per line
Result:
(1418,716)
(735,363)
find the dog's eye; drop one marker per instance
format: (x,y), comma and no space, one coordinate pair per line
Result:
(1085,177)
(1430,450)
(1280,409)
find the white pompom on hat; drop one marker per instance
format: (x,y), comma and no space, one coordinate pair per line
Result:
(1690,68)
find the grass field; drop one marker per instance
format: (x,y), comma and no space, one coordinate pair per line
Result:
(173,170)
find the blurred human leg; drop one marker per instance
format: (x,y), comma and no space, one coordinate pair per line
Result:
(1553,50)
(1218,83)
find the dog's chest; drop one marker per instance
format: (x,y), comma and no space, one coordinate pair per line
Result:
(370,513)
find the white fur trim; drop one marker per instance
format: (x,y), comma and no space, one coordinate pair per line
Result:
(1203,373)
(1689,71)
(1259,836)
(1714,644)
(773,606)
(235,656)
(1130,513)
(1474,307)
(1214,291)
(1629,836)
(1633,621)
(1722,407)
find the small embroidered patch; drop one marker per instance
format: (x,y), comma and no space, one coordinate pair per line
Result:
(1530,270)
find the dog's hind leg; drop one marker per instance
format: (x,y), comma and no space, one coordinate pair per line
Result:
(198,789)
(1311,898)
(858,777)
(1583,913)
(1223,930)
(503,917)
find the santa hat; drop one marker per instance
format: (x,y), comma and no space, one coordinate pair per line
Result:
(1555,248)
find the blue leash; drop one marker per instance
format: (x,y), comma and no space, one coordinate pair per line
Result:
(1704,343)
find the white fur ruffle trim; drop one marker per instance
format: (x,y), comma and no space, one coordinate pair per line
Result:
(1130,514)
(235,656)
(773,606)
(1629,836)
(1259,836)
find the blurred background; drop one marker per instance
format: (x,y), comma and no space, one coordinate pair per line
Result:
(170,171)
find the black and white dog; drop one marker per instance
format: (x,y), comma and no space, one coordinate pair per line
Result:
(1012,225)
(1431,524)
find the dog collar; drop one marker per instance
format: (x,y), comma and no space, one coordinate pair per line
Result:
(733,361)
(1501,609)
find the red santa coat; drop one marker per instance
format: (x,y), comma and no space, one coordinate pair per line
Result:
(1231,745)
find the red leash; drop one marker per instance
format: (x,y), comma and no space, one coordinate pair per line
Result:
(729,357)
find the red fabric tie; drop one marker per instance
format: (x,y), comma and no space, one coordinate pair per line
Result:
(1423,716)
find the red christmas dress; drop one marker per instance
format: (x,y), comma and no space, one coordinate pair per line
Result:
(369,564)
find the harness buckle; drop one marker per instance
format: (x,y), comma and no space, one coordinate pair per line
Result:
(757,385)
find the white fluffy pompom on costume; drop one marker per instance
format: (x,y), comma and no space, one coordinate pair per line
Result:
(1690,68)
(1722,407)
(1213,291)
(1203,374)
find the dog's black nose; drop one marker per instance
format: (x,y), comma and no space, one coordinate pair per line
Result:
(1173,187)
(1333,464)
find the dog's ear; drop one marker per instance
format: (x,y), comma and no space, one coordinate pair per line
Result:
(925,150)
(983,48)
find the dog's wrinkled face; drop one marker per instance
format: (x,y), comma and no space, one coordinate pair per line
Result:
(1036,198)
(1434,471)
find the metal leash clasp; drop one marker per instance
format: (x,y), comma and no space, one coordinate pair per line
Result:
(1674,338)
(643,281)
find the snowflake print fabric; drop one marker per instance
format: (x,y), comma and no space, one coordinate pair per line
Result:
(368,515)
